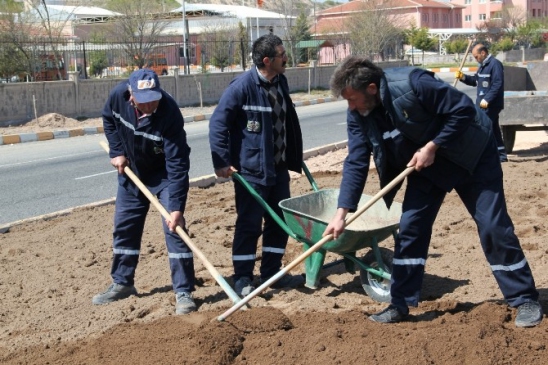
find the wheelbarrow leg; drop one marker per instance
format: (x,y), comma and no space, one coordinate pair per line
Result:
(313,265)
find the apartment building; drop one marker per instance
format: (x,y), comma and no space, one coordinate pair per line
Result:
(476,12)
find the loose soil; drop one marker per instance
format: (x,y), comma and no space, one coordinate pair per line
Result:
(50,269)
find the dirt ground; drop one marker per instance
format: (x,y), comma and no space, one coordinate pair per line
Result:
(50,269)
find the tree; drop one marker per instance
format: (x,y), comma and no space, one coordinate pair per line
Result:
(419,38)
(289,9)
(301,33)
(243,48)
(528,35)
(139,28)
(457,46)
(224,40)
(98,59)
(374,30)
(19,31)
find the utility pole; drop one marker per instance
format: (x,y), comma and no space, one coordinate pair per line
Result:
(185,56)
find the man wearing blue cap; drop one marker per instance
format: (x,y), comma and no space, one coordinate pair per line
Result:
(145,131)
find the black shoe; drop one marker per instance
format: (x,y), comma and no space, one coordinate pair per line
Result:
(391,314)
(529,314)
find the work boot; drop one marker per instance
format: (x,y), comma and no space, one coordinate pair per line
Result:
(529,314)
(113,293)
(184,303)
(391,314)
(243,286)
(287,281)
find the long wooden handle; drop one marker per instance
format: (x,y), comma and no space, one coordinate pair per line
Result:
(216,275)
(463,61)
(317,245)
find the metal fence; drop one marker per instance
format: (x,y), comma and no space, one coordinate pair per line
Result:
(47,61)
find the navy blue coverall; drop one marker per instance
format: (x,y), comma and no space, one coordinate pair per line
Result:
(158,154)
(240,135)
(489,80)
(449,119)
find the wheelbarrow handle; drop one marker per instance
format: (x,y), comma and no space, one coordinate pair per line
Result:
(316,246)
(216,275)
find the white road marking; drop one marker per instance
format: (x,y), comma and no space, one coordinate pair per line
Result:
(99,174)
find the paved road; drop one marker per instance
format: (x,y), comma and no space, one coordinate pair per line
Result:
(43,177)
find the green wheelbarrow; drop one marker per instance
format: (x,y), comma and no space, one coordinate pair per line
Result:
(305,218)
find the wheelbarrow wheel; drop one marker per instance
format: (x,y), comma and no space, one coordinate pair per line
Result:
(376,287)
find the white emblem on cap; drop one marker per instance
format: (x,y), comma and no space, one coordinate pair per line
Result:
(146,84)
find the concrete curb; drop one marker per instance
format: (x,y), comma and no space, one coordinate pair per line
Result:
(200,182)
(75,132)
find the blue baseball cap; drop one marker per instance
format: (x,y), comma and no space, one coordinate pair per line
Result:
(145,85)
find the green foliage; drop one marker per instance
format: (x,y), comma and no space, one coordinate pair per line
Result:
(505,44)
(242,48)
(457,45)
(300,32)
(418,38)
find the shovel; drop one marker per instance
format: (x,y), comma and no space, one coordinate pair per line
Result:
(216,275)
(316,246)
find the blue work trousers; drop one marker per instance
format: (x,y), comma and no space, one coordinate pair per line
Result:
(493,114)
(129,222)
(483,196)
(249,227)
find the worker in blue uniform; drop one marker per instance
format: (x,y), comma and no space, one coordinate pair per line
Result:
(255,130)
(489,80)
(407,117)
(145,131)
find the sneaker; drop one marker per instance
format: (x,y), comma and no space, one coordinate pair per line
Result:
(529,314)
(243,286)
(287,281)
(389,315)
(113,293)
(184,303)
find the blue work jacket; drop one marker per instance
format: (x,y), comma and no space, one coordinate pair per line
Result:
(415,108)
(155,146)
(240,130)
(489,80)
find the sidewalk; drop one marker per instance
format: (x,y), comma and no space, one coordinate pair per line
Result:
(76,132)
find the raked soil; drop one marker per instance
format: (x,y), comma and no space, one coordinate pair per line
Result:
(50,269)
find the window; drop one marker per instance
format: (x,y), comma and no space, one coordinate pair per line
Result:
(467,2)
(482,17)
(468,18)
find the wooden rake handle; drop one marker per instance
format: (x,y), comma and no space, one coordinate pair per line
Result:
(216,275)
(463,61)
(317,245)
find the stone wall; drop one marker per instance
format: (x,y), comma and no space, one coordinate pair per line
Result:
(76,97)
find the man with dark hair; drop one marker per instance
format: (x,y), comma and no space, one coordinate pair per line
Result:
(255,130)
(145,130)
(407,117)
(489,80)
